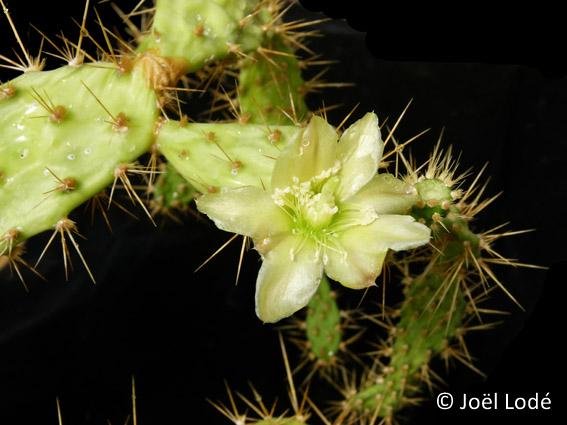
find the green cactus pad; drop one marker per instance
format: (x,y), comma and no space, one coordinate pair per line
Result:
(211,156)
(62,135)
(200,31)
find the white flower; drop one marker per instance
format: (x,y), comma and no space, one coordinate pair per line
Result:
(326,211)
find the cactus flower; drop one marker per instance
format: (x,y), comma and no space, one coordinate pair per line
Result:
(325,211)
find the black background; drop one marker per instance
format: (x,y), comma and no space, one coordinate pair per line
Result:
(495,82)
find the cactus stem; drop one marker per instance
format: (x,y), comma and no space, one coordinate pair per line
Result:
(323,343)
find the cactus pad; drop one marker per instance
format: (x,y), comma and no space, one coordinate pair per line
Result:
(64,133)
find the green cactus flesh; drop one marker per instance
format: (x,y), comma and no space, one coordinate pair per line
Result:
(212,156)
(280,421)
(424,328)
(171,190)
(63,134)
(323,324)
(270,86)
(435,199)
(200,31)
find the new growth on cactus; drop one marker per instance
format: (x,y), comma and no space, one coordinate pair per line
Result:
(328,210)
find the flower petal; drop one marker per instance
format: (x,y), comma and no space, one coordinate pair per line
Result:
(313,152)
(385,194)
(359,149)
(247,210)
(360,253)
(358,261)
(400,232)
(288,278)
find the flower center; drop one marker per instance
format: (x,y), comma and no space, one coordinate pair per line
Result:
(317,209)
(311,204)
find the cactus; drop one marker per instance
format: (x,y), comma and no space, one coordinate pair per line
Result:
(429,319)
(309,197)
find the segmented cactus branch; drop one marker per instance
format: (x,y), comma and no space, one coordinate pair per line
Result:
(194,32)
(439,302)
(213,156)
(65,133)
